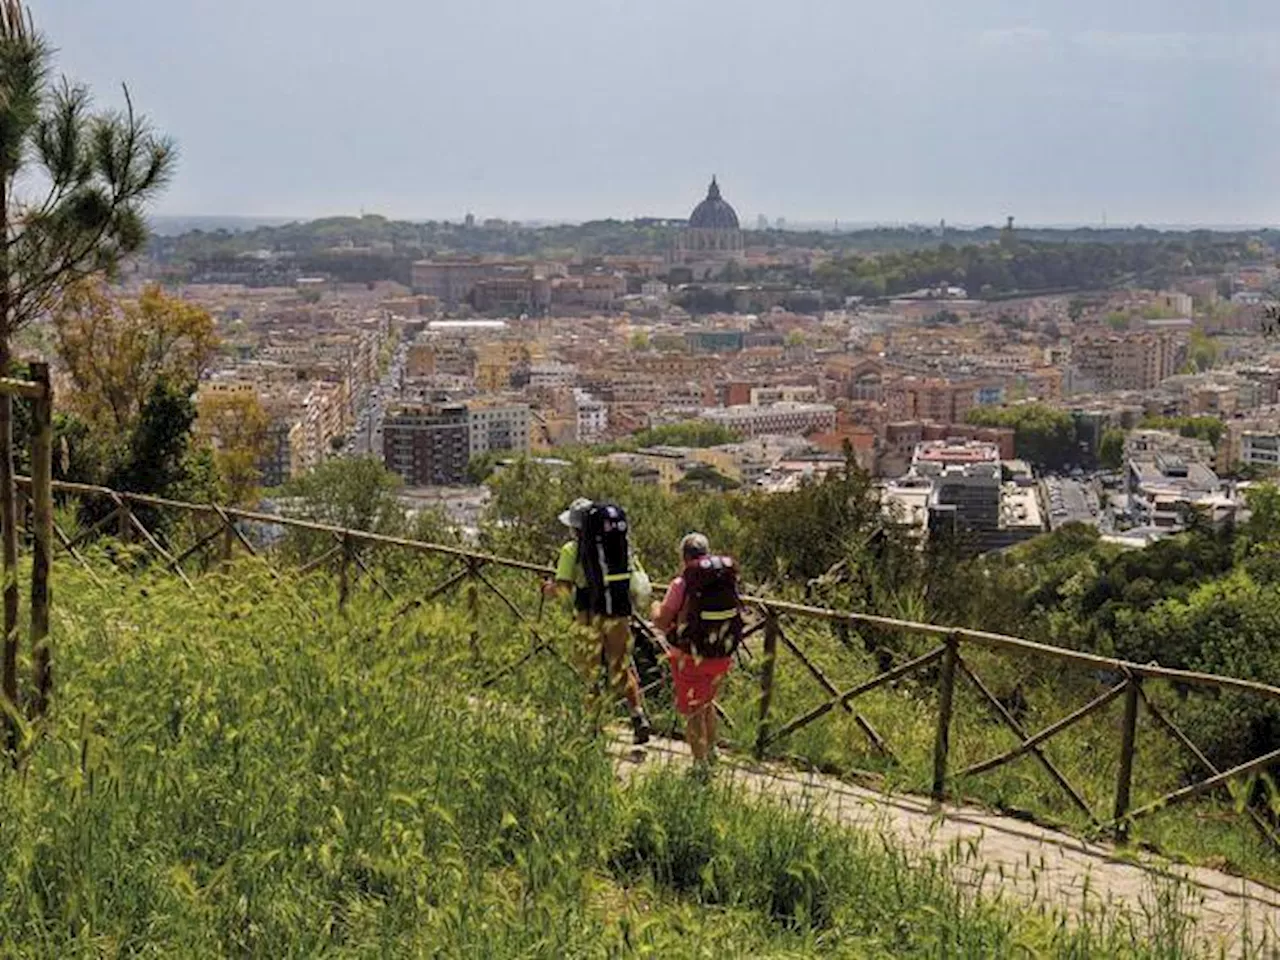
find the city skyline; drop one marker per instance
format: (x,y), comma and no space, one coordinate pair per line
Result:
(1146,112)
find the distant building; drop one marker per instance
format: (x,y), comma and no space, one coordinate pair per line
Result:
(1260,448)
(750,420)
(969,498)
(1164,486)
(276,459)
(942,401)
(490,284)
(592,417)
(1129,361)
(428,445)
(783,394)
(549,374)
(714,341)
(711,239)
(498,426)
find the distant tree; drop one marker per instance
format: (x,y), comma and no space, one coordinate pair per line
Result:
(237,427)
(1202,350)
(160,458)
(72,183)
(944,317)
(691,433)
(1042,435)
(704,477)
(355,492)
(1111,449)
(115,351)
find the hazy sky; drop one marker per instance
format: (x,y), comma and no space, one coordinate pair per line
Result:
(1155,111)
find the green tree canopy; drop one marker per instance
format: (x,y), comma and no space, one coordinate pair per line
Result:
(1042,435)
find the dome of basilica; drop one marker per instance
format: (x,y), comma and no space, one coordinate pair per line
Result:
(713,213)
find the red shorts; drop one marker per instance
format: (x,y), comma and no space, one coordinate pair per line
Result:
(696,679)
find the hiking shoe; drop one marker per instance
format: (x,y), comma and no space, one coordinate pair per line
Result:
(641,729)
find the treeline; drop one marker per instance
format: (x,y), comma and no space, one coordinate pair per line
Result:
(1021,265)
(875,262)
(1046,437)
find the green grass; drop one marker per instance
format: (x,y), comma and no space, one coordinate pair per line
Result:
(243,772)
(1212,830)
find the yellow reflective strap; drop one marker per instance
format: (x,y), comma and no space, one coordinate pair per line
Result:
(719,614)
(617,577)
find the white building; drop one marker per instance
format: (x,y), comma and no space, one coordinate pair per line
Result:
(552,374)
(750,420)
(787,394)
(1260,447)
(498,427)
(592,417)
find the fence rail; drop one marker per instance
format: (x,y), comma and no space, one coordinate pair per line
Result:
(768,643)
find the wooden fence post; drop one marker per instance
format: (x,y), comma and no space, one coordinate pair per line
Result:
(228,542)
(42,540)
(344,572)
(473,606)
(766,680)
(946,694)
(124,521)
(1128,747)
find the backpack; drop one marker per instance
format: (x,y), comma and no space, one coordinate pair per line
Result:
(605,553)
(713,610)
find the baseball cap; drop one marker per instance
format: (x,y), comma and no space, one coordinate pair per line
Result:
(577,510)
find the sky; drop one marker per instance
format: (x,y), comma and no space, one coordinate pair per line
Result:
(889,111)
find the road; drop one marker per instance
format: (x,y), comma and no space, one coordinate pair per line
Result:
(366,438)
(1073,501)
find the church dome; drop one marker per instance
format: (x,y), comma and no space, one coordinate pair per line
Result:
(713,213)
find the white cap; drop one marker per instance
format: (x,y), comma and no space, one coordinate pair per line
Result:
(577,510)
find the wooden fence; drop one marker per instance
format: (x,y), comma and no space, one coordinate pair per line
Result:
(39,391)
(768,642)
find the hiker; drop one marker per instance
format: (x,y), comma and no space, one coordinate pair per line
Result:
(702,617)
(597,566)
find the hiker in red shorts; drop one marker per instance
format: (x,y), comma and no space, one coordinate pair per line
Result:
(702,617)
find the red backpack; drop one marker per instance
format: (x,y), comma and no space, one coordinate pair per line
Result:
(712,608)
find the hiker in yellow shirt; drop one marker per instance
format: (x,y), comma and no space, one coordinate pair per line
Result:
(603,613)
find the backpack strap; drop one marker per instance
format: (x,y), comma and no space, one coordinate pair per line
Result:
(718,614)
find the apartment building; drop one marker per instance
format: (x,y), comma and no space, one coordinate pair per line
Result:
(322,423)
(452,281)
(591,417)
(1128,361)
(552,374)
(751,420)
(496,361)
(918,398)
(429,444)
(758,396)
(497,426)
(1261,448)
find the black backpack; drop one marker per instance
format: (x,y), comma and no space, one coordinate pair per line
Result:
(712,607)
(605,553)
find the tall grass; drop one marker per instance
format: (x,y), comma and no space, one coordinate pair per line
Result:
(1212,830)
(242,771)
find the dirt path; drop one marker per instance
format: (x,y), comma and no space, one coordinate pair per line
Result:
(1041,868)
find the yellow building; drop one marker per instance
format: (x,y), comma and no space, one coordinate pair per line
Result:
(496,360)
